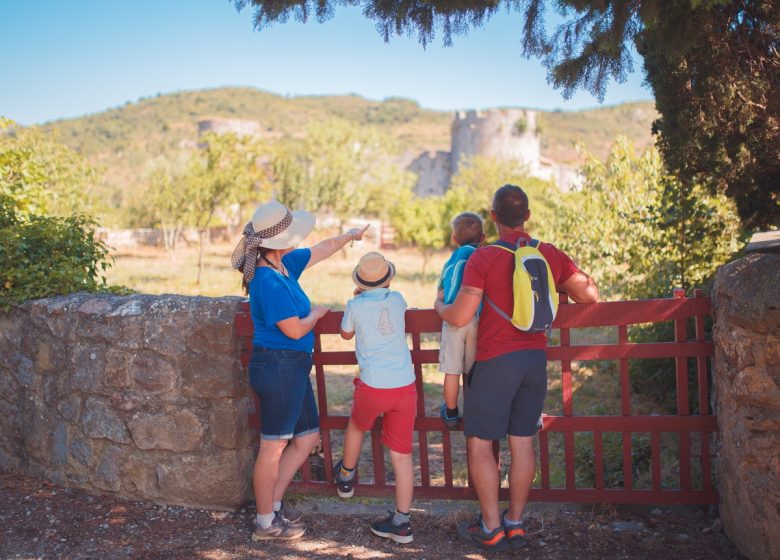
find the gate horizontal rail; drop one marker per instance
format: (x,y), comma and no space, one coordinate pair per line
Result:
(619,314)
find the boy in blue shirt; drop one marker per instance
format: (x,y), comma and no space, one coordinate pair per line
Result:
(386,387)
(458,346)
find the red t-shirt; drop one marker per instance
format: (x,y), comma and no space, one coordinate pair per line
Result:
(490,269)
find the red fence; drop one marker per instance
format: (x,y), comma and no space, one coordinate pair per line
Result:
(686,488)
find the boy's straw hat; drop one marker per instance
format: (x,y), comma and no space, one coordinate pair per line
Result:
(373,271)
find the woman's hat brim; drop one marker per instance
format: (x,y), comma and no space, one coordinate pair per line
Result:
(301,226)
(362,286)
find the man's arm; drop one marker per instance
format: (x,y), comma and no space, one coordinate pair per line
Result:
(580,288)
(459,312)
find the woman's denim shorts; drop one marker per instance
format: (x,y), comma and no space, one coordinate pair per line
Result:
(281,380)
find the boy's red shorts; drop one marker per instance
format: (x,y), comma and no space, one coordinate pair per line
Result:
(398,407)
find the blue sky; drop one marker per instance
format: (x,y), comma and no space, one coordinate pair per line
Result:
(65,59)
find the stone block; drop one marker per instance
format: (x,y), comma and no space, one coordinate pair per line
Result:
(212,376)
(100,421)
(117,371)
(754,387)
(107,471)
(214,480)
(43,357)
(60,444)
(38,431)
(178,431)
(214,336)
(87,362)
(25,371)
(139,478)
(81,451)
(70,407)
(225,425)
(152,373)
(9,388)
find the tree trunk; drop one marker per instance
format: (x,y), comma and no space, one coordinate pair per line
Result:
(201,236)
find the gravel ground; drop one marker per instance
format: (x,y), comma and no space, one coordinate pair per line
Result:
(41,520)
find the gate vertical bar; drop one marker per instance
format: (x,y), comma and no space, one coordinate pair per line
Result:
(682,399)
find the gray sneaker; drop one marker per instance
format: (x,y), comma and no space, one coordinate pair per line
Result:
(281,529)
(291,514)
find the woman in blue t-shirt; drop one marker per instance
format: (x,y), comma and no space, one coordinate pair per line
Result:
(281,360)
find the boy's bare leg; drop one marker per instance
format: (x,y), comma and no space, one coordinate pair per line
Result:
(521,474)
(353,442)
(451,390)
(266,473)
(404,480)
(295,454)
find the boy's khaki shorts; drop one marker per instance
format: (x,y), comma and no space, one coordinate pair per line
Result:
(458,347)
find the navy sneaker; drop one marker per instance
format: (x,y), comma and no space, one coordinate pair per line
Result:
(450,421)
(344,488)
(397,533)
(473,533)
(515,534)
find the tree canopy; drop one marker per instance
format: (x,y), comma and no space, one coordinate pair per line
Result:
(713,66)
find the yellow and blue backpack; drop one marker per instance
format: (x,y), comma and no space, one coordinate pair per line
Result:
(534,294)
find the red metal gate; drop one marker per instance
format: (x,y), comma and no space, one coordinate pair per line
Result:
(686,488)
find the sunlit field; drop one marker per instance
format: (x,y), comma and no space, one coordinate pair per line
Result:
(151,270)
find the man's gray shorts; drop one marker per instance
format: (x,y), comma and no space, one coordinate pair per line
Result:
(505,395)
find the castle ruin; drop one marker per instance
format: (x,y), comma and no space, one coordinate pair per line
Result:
(503,134)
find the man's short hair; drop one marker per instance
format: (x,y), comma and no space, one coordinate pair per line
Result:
(467,228)
(510,204)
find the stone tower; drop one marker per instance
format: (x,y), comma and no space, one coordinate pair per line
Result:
(504,134)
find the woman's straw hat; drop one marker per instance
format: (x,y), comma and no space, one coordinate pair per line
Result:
(373,271)
(278,227)
(273,226)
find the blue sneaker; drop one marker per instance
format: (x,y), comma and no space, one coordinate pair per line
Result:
(450,421)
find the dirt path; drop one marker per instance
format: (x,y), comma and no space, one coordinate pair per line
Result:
(41,520)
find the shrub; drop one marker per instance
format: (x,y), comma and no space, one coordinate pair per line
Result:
(42,256)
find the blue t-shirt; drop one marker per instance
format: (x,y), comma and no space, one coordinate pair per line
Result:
(274,297)
(377,319)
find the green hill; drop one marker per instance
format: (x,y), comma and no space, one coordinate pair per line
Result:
(121,140)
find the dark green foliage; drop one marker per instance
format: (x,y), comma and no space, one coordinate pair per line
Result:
(44,256)
(612,459)
(717,91)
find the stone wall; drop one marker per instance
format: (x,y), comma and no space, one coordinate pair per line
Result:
(142,396)
(746,333)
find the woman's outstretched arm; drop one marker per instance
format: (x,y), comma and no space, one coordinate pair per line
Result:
(327,247)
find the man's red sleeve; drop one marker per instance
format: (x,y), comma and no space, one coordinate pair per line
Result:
(472,274)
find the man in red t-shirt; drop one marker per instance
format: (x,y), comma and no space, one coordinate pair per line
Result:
(507,386)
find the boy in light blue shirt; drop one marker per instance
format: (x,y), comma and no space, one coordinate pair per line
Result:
(458,347)
(386,387)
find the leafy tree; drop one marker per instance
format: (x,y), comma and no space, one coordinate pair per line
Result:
(223,175)
(421,222)
(479,177)
(41,175)
(638,232)
(169,197)
(341,169)
(713,65)
(41,256)
(718,96)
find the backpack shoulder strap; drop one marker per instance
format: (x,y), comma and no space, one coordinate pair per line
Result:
(505,245)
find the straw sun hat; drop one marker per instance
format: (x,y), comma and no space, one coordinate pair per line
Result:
(273,226)
(373,271)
